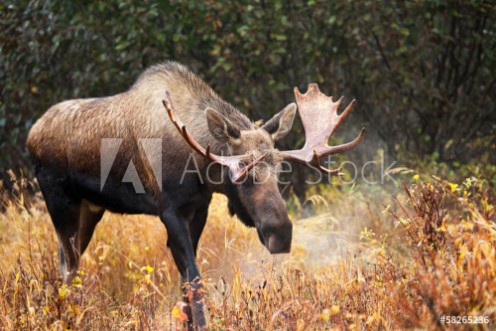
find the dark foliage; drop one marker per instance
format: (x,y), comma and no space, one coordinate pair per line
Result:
(422,72)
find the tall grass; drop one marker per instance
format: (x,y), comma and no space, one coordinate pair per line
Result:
(369,260)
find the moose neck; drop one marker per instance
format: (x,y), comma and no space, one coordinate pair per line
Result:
(236,207)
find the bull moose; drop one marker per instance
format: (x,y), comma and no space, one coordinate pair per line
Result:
(238,158)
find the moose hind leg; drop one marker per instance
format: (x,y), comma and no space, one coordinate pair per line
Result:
(65,220)
(62,262)
(64,210)
(89,217)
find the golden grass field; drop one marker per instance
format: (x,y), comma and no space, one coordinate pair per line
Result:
(370,260)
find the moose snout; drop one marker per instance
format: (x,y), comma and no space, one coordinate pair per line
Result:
(278,240)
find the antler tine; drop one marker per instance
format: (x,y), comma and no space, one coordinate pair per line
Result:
(345,112)
(238,173)
(346,147)
(316,163)
(339,102)
(320,119)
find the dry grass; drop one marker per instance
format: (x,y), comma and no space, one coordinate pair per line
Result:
(368,261)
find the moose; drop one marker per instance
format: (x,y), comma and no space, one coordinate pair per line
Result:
(170,103)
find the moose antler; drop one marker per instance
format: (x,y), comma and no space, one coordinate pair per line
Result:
(238,173)
(320,119)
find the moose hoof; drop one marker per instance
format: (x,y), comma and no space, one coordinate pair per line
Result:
(199,321)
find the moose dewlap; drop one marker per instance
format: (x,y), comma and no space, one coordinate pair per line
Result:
(133,153)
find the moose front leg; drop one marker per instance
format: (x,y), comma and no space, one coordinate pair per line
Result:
(181,246)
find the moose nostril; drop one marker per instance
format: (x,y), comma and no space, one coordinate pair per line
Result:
(278,244)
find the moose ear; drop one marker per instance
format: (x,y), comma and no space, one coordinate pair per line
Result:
(221,128)
(279,125)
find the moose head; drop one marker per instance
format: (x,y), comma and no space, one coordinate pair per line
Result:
(253,161)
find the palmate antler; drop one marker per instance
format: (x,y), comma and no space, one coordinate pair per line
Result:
(320,119)
(238,173)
